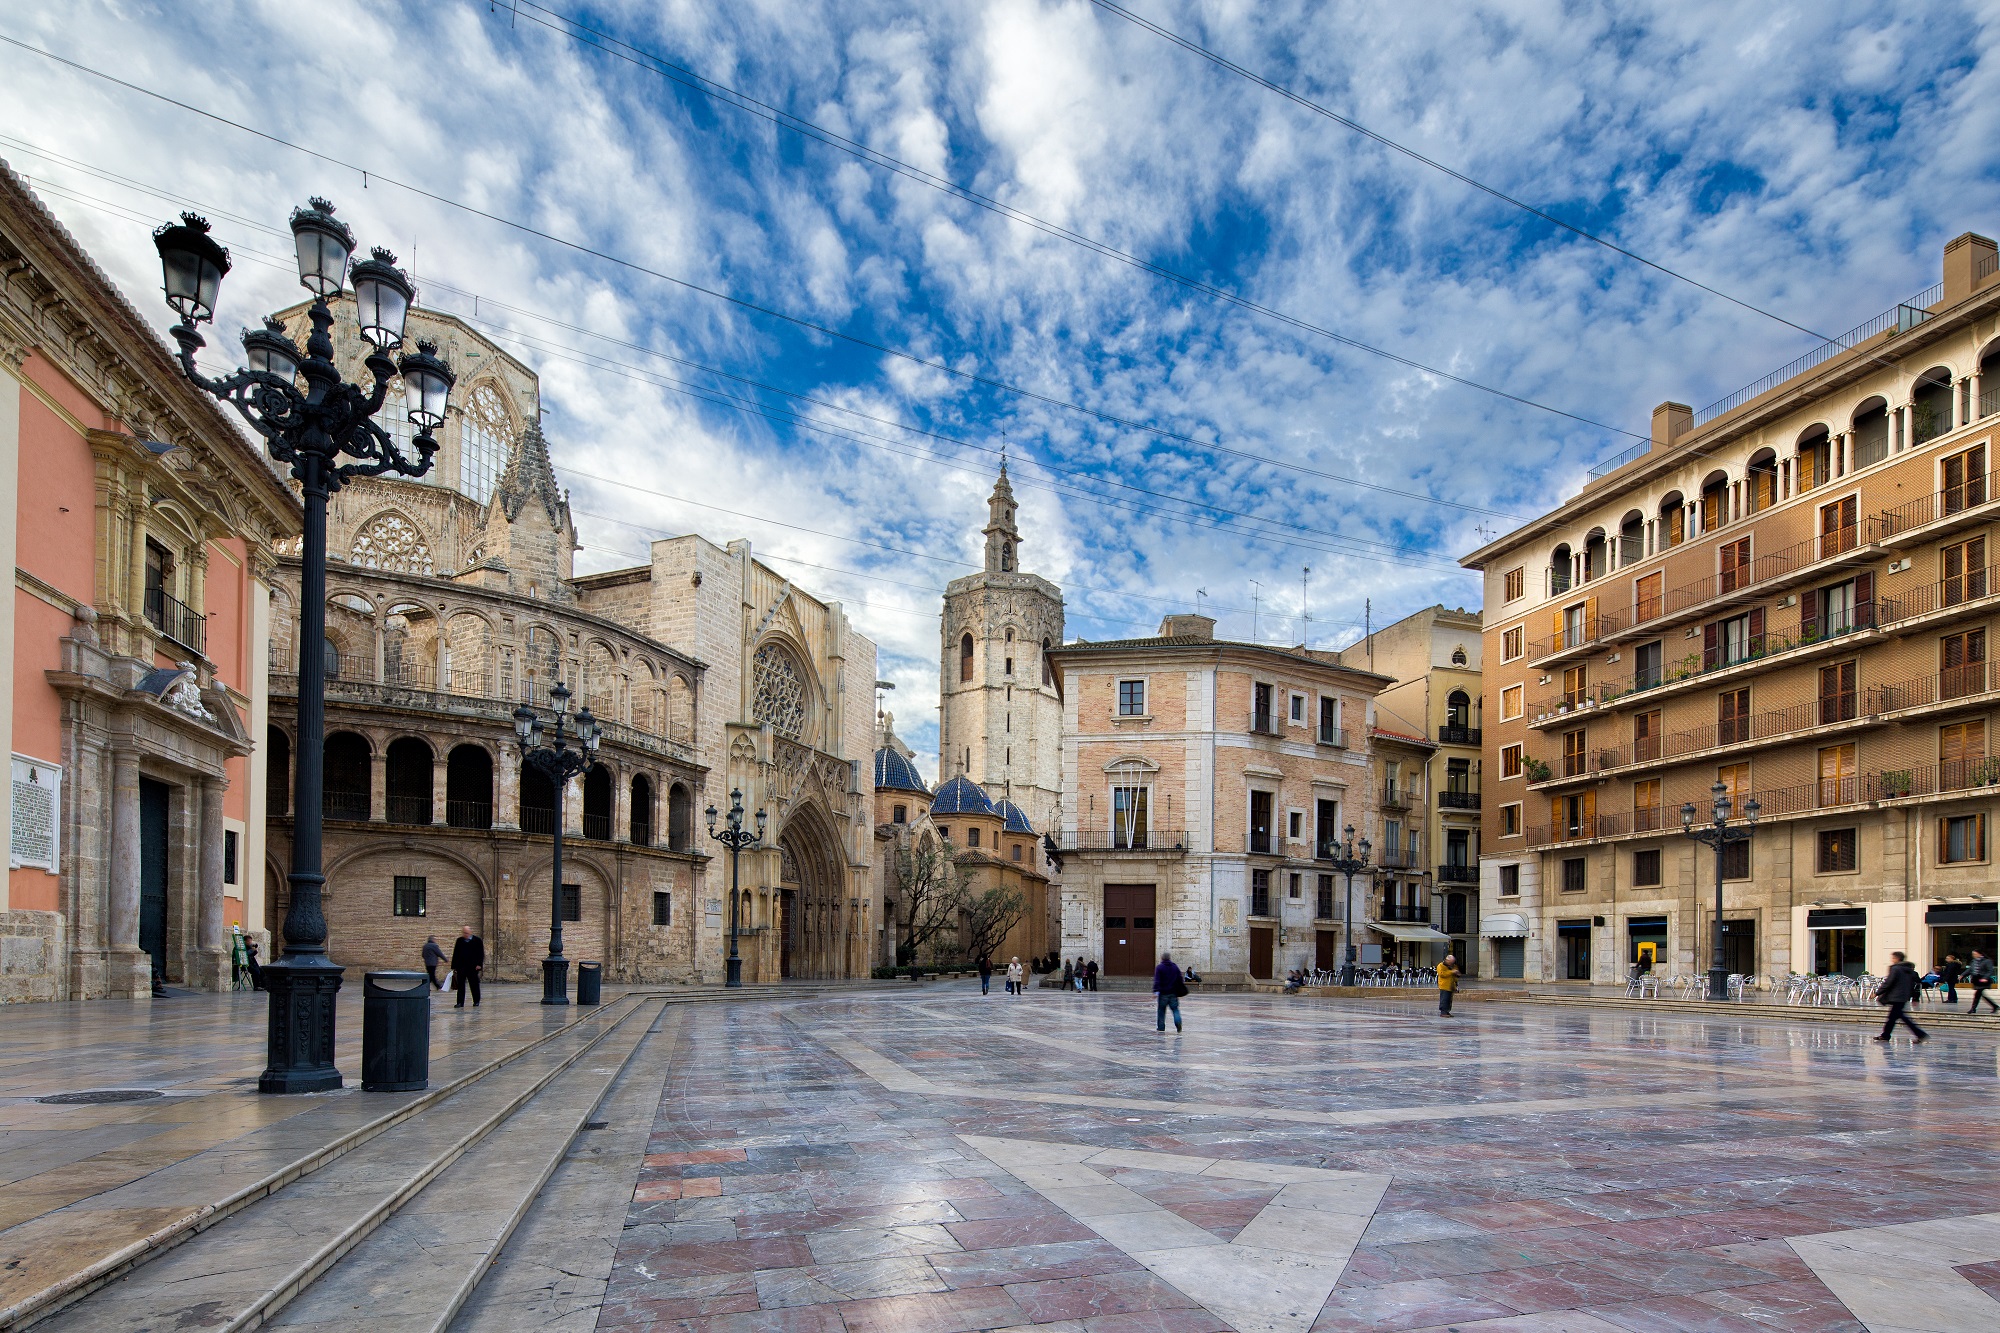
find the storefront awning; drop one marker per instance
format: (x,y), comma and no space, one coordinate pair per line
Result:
(1404,931)
(1503,925)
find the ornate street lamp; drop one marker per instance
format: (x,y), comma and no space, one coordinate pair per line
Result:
(735,838)
(1719,835)
(559,754)
(312,428)
(1349,860)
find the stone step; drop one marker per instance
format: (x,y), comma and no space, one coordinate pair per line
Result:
(1928,1015)
(414,1271)
(239,1271)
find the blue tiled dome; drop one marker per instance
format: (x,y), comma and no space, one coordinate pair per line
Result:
(961,796)
(894,772)
(1017,820)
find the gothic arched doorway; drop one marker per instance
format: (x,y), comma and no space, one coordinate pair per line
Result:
(813,883)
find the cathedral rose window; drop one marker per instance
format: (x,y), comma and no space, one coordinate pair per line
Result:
(390,541)
(780,697)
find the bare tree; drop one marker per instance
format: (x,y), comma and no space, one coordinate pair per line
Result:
(932,888)
(988,918)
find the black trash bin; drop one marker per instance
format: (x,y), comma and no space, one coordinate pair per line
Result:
(395,1032)
(589,981)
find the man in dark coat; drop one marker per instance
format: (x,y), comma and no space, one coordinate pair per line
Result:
(1898,989)
(433,960)
(1168,987)
(468,955)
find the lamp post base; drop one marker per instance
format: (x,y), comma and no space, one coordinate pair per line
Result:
(555,980)
(1347,971)
(300,1034)
(735,972)
(1718,983)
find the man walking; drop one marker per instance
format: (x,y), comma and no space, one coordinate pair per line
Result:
(1090,975)
(468,955)
(1948,976)
(1898,989)
(1980,974)
(1168,987)
(1447,984)
(433,960)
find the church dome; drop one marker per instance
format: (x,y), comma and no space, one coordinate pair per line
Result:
(961,796)
(894,772)
(1017,820)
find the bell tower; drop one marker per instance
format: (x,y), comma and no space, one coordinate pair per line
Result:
(999,722)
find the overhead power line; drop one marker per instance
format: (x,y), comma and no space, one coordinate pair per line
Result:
(578,31)
(579,247)
(1223,62)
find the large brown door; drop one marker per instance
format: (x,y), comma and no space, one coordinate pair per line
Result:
(1260,952)
(1325,950)
(1128,930)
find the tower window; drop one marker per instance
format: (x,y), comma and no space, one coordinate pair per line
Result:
(965,657)
(1010,666)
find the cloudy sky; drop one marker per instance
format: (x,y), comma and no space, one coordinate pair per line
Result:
(797,271)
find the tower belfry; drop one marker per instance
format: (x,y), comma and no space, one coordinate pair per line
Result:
(1003,538)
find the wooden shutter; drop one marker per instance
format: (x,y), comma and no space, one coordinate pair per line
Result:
(1975,567)
(1809,610)
(1864,601)
(1646,596)
(1711,634)
(1589,620)
(1756,645)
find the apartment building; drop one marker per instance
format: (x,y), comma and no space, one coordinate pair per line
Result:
(1205,784)
(1434,657)
(1787,593)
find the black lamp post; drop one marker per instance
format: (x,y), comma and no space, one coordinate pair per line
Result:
(1349,859)
(1719,835)
(311,428)
(735,838)
(559,754)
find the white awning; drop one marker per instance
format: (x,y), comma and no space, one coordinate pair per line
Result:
(1503,925)
(1406,931)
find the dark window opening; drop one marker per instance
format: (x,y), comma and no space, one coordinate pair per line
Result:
(412,895)
(572,902)
(663,909)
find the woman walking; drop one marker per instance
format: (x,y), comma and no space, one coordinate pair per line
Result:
(1014,976)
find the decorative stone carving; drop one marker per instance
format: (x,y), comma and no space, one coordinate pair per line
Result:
(390,541)
(779,700)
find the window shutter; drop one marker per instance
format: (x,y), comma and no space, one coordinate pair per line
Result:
(1590,813)
(1864,601)
(1809,609)
(1757,631)
(1709,636)
(1589,618)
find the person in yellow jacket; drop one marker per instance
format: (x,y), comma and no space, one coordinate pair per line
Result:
(1447,984)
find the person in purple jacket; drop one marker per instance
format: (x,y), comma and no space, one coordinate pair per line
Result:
(1168,987)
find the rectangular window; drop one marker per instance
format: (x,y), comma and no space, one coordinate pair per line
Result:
(1573,630)
(1837,850)
(1734,572)
(1510,820)
(1646,737)
(411,897)
(663,908)
(1323,907)
(1573,686)
(1512,703)
(1128,818)
(1647,803)
(972,837)
(1962,838)
(899,814)
(1964,477)
(1017,851)
(1260,708)
(1836,775)
(1573,754)
(1646,659)
(1576,816)
(1326,829)
(1515,585)
(1646,597)
(1673,526)
(1837,527)
(1294,889)
(1329,721)
(1963,571)
(1736,861)
(1510,644)
(1260,893)
(1735,779)
(1298,710)
(1733,641)
(1836,693)
(1646,868)
(1573,880)
(1962,664)
(1295,825)
(1009,667)
(1260,821)
(1961,754)
(1732,716)
(1131,698)
(229,849)
(1510,881)
(1510,761)
(572,902)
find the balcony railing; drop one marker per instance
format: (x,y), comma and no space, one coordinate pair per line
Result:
(1414,912)
(642,833)
(1939,596)
(1673,603)
(1333,736)
(1265,724)
(1449,735)
(538,819)
(1156,841)
(1453,874)
(344,804)
(1262,843)
(1395,797)
(409,809)
(176,619)
(597,827)
(469,814)
(1396,858)
(1458,800)
(1323,906)
(1593,631)
(1260,902)
(1950,502)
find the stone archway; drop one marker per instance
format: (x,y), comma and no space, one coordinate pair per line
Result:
(812,919)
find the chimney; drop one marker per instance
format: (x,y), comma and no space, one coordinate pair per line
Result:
(1188,627)
(1964,260)
(1670,422)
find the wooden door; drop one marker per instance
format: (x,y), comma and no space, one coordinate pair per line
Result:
(153,829)
(1964,571)
(1962,664)
(1129,930)
(1735,564)
(1837,524)
(1961,750)
(1260,952)
(1646,594)
(1732,717)
(1326,950)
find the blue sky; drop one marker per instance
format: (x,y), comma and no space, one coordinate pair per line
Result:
(1809,158)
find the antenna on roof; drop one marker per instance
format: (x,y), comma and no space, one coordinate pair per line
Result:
(1199,593)
(1256,603)
(1305,616)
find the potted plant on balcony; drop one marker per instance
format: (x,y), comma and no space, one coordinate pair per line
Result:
(1987,773)
(1536,770)
(1896,782)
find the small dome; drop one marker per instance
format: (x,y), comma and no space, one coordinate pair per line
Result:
(961,796)
(1017,820)
(894,772)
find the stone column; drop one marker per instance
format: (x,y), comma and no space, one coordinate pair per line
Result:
(440,770)
(378,782)
(211,962)
(573,808)
(621,807)
(507,789)
(129,971)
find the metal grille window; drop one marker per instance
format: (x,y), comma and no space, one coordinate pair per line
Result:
(663,909)
(572,902)
(411,896)
(1736,861)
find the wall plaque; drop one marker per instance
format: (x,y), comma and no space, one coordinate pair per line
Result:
(36,840)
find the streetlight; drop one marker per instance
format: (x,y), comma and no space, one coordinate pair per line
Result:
(1346,861)
(310,428)
(551,752)
(1719,835)
(735,838)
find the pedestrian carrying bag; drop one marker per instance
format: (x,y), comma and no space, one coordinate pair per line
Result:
(448,979)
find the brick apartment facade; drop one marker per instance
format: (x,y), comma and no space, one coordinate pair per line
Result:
(1791,596)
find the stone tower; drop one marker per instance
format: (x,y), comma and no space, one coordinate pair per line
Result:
(1000,722)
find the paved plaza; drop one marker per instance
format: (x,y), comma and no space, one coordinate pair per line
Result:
(862,1160)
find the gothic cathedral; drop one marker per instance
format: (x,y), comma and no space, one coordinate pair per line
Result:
(1000,722)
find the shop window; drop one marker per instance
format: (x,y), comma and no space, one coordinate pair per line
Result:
(1646,868)
(411,896)
(1837,849)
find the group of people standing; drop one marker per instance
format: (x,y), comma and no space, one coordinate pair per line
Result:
(1079,975)
(468,960)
